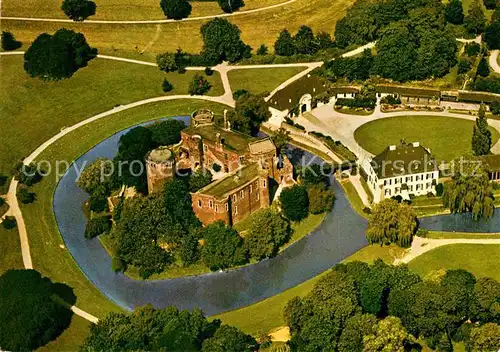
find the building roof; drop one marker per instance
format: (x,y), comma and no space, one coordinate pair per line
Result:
(262,146)
(478,97)
(289,96)
(404,159)
(225,186)
(408,91)
(160,155)
(492,162)
(232,140)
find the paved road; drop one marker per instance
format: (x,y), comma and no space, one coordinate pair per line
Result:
(62,20)
(493,60)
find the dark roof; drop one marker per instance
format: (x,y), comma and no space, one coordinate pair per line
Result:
(232,140)
(288,97)
(492,162)
(404,159)
(227,185)
(408,91)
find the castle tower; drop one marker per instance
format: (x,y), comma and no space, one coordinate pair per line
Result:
(160,167)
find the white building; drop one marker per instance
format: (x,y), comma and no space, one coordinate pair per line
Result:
(401,170)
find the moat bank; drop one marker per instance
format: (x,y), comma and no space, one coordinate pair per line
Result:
(340,235)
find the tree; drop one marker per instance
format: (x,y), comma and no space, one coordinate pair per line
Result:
(391,222)
(464,65)
(469,190)
(223,247)
(199,179)
(97,226)
(304,41)
(490,4)
(166,132)
(30,316)
(284,45)
(9,222)
(324,40)
(454,12)
(281,138)
(483,69)
(485,338)
(229,6)
(189,248)
(321,198)
(267,233)
(27,174)
(199,85)
(149,329)
(25,196)
(481,135)
(357,326)
(492,35)
(485,306)
(295,202)
(176,9)
(9,42)
(249,113)
(78,10)
(166,86)
(58,56)
(475,21)
(171,62)
(263,50)
(222,42)
(230,339)
(389,336)
(99,173)
(459,285)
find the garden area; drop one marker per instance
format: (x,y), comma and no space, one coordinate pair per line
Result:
(433,132)
(263,80)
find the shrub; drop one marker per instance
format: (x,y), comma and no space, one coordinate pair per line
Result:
(167,86)
(9,222)
(439,189)
(391,100)
(495,109)
(176,9)
(199,85)
(464,65)
(97,226)
(25,196)
(263,50)
(216,167)
(9,42)
(472,49)
(209,71)
(78,10)
(366,102)
(98,200)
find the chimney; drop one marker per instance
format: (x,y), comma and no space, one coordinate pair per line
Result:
(392,147)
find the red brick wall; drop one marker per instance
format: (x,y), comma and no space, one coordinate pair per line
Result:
(209,210)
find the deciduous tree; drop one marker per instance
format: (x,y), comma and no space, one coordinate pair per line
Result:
(222,42)
(250,112)
(223,247)
(321,198)
(268,231)
(483,69)
(199,85)
(475,21)
(389,336)
(486,337)
(230,6)
(230,339)
(295,202)
(78,10)
(454,12)
(9,42)
(176,9)
(284,45)
(166,132)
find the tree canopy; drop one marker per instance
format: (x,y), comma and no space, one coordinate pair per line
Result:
(58,56)
(249,113)
(9,42)
(481,135)
(223,247)
(391,222)
(222,42)
(454,12)
(78,10)
(229,6)
(29,314)
(295,202)
(166,132)
(268,231)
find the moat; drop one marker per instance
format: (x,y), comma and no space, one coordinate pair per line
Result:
(340,235)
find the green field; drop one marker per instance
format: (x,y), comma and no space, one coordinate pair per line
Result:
(45,241)
(261,80)
(32,111)
(480,259)
(447,137)
(131,39)
(118,9)
(71,338)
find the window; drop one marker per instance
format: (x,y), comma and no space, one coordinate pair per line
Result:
(242,194)
(205,148)
(235,210)
(199,203)
(210,204)
(258,196)
(264,183)
(387,192)
(251,189)
(385,182)
(226,156)
(234,198)
(216,207)
(227,207)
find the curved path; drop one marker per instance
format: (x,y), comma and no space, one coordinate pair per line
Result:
(493,61)
(62,20)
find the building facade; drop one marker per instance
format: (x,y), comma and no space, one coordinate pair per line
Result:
(403,170)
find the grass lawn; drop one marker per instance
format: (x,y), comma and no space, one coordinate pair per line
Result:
(372,252)
(448,235)
(71,338)
(479,259)
(10,257)
(431,131)
(32,111)
(118,9)
(129,40)
(261,80)
(45,240)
